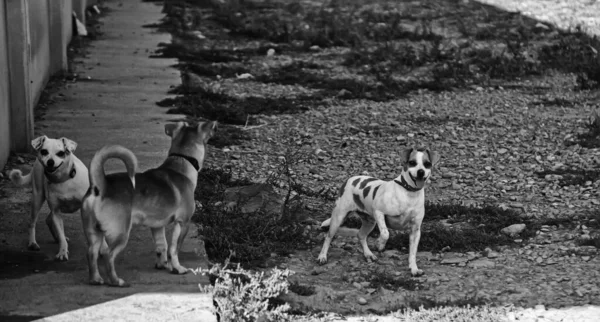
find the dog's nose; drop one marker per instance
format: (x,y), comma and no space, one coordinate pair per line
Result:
(50,163)
(421,173)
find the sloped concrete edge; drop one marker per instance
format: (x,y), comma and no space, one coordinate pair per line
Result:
(146,307)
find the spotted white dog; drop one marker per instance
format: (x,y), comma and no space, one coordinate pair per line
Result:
(397,204)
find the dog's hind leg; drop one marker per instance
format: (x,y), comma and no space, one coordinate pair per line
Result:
(36,204)
(95,239)
(160,240)
(366,228)
(116,244)
(337,218)
(179,232)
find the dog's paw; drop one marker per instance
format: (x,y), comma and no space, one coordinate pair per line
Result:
(33,246)
(179,270)
(120,283)
(371,257)
(96,281)
(415,272)
(62,256)
(322,260)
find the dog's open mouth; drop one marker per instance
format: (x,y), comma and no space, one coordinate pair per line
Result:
(419,182)
(51,170)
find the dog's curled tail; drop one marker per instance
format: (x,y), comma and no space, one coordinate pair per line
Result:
(17,177)
(97,175)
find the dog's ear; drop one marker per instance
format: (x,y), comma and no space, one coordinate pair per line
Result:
(406,154)
(70,145)
(38,142)
(434,157)
(208,128)
(172,129)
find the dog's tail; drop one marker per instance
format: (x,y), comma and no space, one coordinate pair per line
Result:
(97,175)
(17,177)
(342,231)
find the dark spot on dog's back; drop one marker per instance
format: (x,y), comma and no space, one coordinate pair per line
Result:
(358,202)
(355,182)
(342,189)
(375,191)
(68,206)
(366,191)
(365,182)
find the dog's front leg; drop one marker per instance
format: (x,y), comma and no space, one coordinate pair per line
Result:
(415,236)
(176,242)
(384,234)
(160,241)
(63,248)
(363,233)
(36,204)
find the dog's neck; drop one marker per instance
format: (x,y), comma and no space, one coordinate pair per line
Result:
(189,159)
(184,164)
(404,183)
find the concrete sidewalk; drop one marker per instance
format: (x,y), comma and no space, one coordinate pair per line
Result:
(113,103)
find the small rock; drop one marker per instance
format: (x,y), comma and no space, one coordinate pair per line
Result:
(453,259)
(540,307)
(20,160)
(513,230)
(244,76)
(315,48)
(317,271)
(585,258)
(357,285)
(270,52)
(343,93)
(482,263)
(502,151)
(362,301)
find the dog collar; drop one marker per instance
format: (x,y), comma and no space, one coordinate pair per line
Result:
(405,185)
(191,160)
(54,180)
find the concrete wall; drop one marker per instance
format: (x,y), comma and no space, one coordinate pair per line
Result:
(4,99)
(34,35)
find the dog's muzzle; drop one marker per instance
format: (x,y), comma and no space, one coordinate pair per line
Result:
(50,168)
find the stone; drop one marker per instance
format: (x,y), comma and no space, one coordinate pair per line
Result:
(482,263)
(513,230)
(362,301)
(451,258)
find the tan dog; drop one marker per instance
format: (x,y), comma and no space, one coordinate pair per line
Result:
(153,198)
(59,178)
(397,204)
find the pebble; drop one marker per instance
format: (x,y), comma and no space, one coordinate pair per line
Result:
(362,301)
(482,263)
(514,229)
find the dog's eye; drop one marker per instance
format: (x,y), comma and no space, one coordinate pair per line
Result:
(44,152)
(412,163)
(60,154)
(427,164)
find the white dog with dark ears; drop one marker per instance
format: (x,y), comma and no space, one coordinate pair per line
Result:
(398,204)
(59,178)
